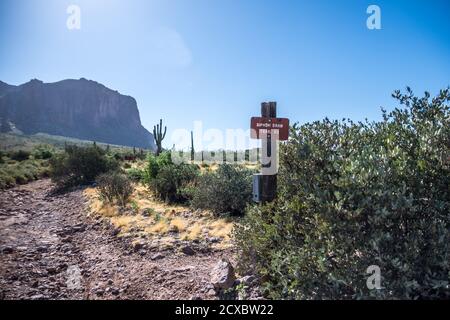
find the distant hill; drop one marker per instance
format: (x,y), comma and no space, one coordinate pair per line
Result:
(13,142)
(80,109)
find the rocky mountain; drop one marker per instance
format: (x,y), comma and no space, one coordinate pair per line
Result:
(81,109)
(4,88)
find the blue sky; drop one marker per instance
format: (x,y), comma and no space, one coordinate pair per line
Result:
(217,60)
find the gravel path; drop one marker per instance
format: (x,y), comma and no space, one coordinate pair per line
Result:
(50,249)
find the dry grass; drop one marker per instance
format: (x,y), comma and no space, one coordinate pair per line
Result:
(160,227)
(178,224)
(221,229)
(164,222)
(214,166)
(99,207)
(193,232)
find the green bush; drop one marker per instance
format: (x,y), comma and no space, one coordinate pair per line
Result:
(172,179)
(22,172)
(166,179)
(136,175)
(118,156)
(114,187)
(155,163)
(6,179)
(226,190)
(352,195)
(80,165)
(42,152)
(19,155)
(122,155)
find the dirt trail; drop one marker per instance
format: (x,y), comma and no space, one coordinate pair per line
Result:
(50,249)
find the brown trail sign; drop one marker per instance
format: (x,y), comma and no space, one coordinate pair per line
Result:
(270,129)
(260,126)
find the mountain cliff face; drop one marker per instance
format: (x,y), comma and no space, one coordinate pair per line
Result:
(80,109)
(5,88)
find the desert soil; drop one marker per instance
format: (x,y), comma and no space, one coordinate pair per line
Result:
(51,249)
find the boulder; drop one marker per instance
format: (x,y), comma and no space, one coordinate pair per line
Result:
(157,256)
(187,250)
(222,275)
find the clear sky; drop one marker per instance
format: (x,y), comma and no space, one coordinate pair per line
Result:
(217,60)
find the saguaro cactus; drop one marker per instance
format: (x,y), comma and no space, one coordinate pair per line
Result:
(159,136)
(192,147)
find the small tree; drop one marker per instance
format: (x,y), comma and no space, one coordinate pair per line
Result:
(192,147)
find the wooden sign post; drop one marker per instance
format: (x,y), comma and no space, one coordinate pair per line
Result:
(270,129)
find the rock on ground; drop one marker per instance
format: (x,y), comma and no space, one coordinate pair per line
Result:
(222,275)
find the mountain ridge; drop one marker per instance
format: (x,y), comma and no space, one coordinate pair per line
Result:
(82,109)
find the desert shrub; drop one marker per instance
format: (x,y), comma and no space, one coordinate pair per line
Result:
(155,163)
(136,175)
(22,172)
(42,152)
(141,155)
(80,165)
(129,156)
(6,179)
(226,190)
(352,195)
(19,155)
(122,155)
(114,187)
(171,180)
(20,178)
(152,167)
(118,156)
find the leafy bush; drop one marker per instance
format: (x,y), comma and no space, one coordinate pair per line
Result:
(227,190)
(115,187)
(167,179)
(42,152)
(80,165)
(6,180)
(155,163)
(123,155)
(19,155)
(22,172)
(352,195)
(118,156)
(136,175)
(171,179)
(141,155)
(127,155)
